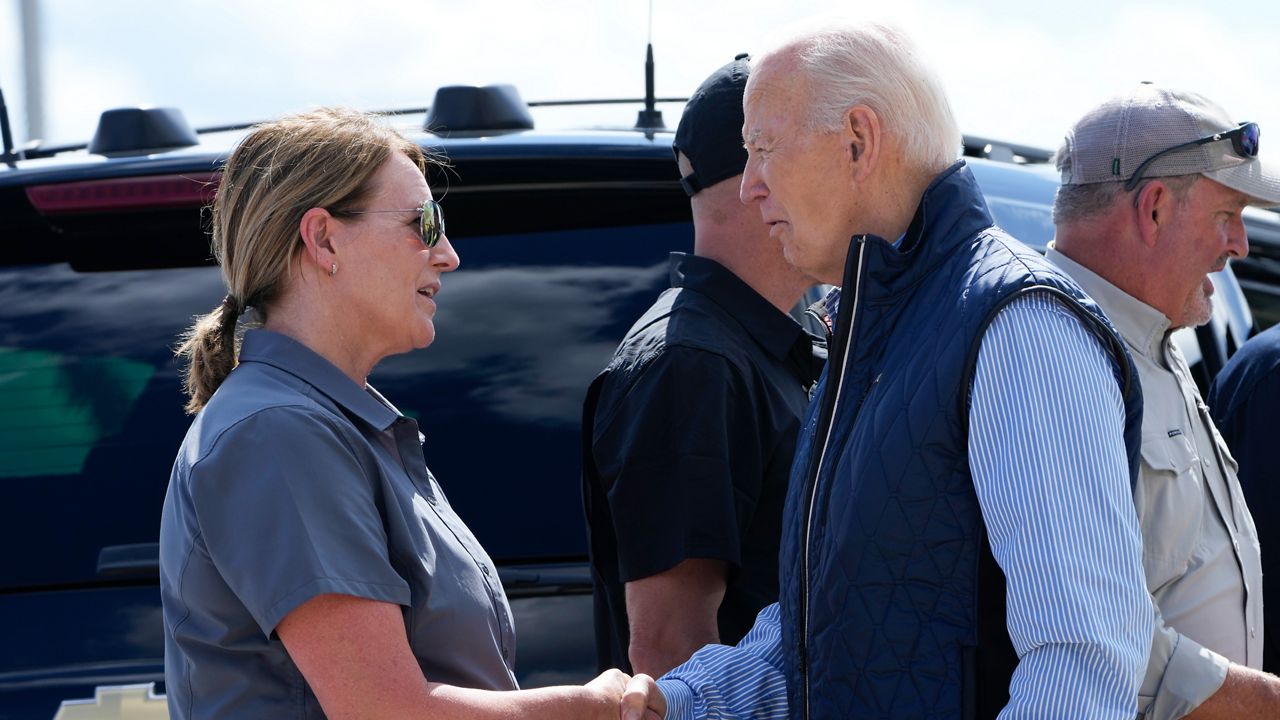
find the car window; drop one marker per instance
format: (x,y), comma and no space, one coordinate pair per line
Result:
(522,328)
(90,410)
(91,404)
(1032,223)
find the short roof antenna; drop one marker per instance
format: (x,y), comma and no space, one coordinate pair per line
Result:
(649,118)
(7,155)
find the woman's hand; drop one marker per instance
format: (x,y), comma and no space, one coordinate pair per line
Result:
(605,693)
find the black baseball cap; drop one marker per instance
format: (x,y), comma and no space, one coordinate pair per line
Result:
(710,130)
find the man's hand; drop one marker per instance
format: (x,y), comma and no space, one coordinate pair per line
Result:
(642,700)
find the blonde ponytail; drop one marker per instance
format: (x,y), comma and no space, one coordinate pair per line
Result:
(326,159)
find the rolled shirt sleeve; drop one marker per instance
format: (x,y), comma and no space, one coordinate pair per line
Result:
(682,462)
(1181,675)
(287,511)
(721,682)
(1051,472)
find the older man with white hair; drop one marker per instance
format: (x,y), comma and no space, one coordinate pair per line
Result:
(959,540)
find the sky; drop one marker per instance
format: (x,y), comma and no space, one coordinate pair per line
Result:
(1019,71)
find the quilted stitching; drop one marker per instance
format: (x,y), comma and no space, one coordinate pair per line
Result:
(896,527)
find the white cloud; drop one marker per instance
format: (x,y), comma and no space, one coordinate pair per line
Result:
(96,84)
(1027,78)
(1013,70)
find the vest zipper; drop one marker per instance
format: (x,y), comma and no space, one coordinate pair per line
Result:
(851,312)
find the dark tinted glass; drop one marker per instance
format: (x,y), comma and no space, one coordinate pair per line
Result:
(522,328)
(90,411)
(90,402)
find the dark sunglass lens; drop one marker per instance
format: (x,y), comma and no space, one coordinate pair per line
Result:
(1247,140)
(432,225)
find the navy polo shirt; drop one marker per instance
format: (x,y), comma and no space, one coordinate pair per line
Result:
(1245,402)
(688,439)
(295,482)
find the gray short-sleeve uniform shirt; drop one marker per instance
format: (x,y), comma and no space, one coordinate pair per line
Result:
(294,482)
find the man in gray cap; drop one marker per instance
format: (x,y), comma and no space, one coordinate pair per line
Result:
(1153,185)
(689,433)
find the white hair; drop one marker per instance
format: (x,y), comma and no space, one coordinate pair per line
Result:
(875,64)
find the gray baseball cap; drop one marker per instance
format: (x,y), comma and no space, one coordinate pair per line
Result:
(1112,141)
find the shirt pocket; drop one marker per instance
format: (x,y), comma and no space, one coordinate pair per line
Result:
(1246,529)
(1170,503)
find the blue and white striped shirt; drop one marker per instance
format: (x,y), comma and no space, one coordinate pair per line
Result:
(1047,454)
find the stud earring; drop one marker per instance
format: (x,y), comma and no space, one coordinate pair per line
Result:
(333,269)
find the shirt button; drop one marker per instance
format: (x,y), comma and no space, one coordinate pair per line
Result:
(484,569)
(1252,634)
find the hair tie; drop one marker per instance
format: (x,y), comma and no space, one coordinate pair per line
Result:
(230,303)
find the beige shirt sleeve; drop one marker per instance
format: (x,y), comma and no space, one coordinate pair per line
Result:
(1181,674)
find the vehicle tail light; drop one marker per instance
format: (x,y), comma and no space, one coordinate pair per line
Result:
(125,194)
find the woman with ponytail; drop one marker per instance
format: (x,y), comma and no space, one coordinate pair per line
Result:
(310,564)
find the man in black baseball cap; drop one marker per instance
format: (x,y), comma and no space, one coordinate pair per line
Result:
(710,131)
(689,432)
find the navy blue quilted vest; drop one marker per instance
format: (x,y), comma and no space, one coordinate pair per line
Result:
(894,607)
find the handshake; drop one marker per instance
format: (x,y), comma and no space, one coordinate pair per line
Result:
(616,695)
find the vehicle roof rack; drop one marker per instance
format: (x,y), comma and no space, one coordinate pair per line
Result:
(485,119)
(1001,151)
(132,130)
(467,108)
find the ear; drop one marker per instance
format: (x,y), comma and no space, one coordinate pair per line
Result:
(317,229)
(1154,209)
(864,138)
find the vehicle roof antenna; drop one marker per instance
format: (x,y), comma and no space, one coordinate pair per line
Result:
(7,155)
(649,118)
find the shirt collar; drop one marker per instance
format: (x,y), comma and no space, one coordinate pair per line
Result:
(772,329)
(832,300)
(832,303)
(291,356)
(1143,327)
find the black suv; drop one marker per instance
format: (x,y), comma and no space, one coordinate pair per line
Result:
(1260,272)
(105,258)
